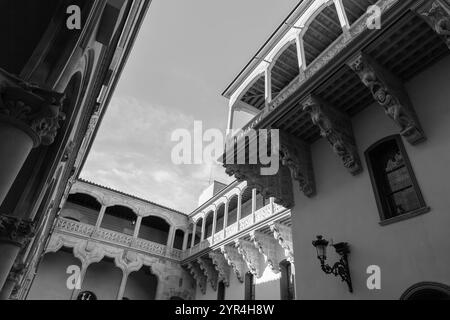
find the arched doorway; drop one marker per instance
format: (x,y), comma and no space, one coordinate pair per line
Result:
(427,291)
(141,285)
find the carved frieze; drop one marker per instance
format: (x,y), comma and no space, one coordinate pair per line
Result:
(437,14)
(389,93)
(210,272)
(198,275)
(283,235)
(336,127)
(36,110)
(15,230)
(268,247)
(251,256)
(222,267)
(235,260)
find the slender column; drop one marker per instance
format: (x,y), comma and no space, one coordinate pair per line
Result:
(268,85)
(342,15)
(272,201)
(214,225)
(75,292)
(203,228)
(185,240)
(137,227)
(225,219)
(170,237)
(230,119)
(100,217)
(194,230)
(253,204)
(238,213)
(300,55)
(123,285)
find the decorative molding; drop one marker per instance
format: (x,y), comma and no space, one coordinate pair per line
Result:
(36,110)
(337,128)
(222,267)
(388,92)
(15,230)
(251,256)
(210,272)
(437,14)
(283,235)
(68,151)
(268,248)
(16,273)
(235,260)
(198,275)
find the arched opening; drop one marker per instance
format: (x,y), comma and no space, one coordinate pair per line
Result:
(232,210)
(209,218)
(427,291)
(50,282)
(246,208)
(154,229)
(285,69)
(255,95)
(141,285)
(103,279)
(322,31)
(81,207)
(287,281)
(220,217)
(179,238)
(198,231)
(119,218)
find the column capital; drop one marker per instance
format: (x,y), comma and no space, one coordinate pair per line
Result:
(35,110)
(16,231)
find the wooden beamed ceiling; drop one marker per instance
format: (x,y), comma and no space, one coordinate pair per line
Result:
(356,8)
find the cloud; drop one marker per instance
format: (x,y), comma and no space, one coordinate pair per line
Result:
(132,153)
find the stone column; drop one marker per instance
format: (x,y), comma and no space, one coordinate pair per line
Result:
(203,228)
(194,230)
(170,237)
(225,219)
(83,271)
(213,232)
(253,204)
(100,217)
(185,240)
(238,212)
(268,85)
(137,227)
(123,285)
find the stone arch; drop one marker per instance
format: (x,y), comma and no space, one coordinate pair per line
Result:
(154,228)
(427,291)
(119,218)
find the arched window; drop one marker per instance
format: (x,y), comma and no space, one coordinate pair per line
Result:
(155,229)
(287,281)
(179,239)
(249,286)
(221,291)
(395,186)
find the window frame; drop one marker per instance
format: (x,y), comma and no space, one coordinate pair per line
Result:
(384,220)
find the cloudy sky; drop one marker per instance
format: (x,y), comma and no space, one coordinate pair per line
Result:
(186,54)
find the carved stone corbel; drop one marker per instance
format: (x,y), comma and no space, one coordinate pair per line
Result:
(210,272)
(198,275)
(283,235)
(235,260)
(437,14)
(268,247)
(337,128)
(36,110)
(221,266)
(251,256)
(15,230)
(388,92)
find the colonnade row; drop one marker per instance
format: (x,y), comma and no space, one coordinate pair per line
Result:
(220,215)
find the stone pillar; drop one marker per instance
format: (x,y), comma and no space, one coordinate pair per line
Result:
(299,46)
(213,232)
(238,213)
(137,227)
(170,237)
(123,285)
(75,292)
(29,117)
(225,219)
(100,217)
(194,230)
(253,204)
(203,229)
(185,240)
(268,85)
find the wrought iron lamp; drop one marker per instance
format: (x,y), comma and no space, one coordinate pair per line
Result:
(340,268)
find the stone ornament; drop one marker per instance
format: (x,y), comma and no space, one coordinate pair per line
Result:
(235,260)
(36,110)
(210,272)
(268,248)
(437,14)
(198,275)
(222,267)
(389,93)
(283,235)
(15,230)
(251,256)
(337,128)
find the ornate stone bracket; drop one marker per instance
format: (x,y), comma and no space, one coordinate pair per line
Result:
(35,110)
(210,272)
(235,260)
(221,266)
(336,127)
(437,14)
(269,249)
(15,230)
(283,235)
(388,92)
(198,275)
(129,262)
(251,256)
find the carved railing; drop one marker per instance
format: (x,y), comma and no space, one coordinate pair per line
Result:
(117,238)
(230,230)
